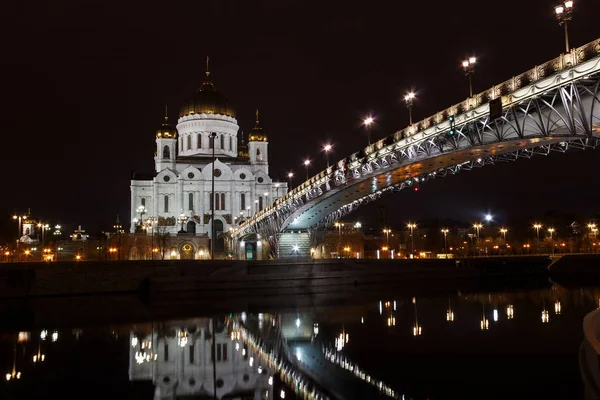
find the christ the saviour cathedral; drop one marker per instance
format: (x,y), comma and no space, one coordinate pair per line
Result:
(178,198)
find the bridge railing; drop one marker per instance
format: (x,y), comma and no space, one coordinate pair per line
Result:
(539,72)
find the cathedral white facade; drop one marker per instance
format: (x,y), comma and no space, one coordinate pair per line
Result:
(179,198)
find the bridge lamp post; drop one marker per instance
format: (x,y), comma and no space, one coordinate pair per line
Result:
(412,227)
(551,232)
(327,148)
(409,103)
(367,123)
(564,14)
(306,165)
(537,227)
(290,176)
(469,68)
(477,229)
(339,226)
(445,232)
(247,212)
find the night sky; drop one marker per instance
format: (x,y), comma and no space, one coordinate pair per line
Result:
(85,84)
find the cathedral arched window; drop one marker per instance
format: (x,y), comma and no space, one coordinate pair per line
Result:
(166,204)
(189,142)
(212,201)
(166,152)
(222,201)
(143,202)
(199,141)
(242,201)
(217,201)
(191,201)
(260,203)
(222,142)
(230,143)
(258,155)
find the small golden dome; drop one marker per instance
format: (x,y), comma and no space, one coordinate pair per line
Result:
(257,134)
(166,130)
(207,100)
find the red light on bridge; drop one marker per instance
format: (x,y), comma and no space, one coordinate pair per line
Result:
(416,188)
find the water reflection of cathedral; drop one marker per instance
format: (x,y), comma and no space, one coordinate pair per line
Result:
(178,357)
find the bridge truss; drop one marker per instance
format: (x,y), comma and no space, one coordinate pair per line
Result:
(552,108)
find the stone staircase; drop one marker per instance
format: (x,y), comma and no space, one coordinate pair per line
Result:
(294,246)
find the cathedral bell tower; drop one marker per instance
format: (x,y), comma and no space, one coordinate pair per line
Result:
(166,145)
(258,148)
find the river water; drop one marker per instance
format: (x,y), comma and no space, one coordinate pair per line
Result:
(483,345)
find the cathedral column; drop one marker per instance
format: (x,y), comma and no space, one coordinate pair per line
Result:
(154,200)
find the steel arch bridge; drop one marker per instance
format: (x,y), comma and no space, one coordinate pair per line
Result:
(553,107)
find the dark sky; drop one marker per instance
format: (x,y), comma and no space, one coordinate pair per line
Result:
(85,83)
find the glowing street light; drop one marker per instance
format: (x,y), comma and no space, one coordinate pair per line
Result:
(327,148)
(410,96)
(445,232)
(564,14)
(503,232)
(290,176)
(367,123)
(469,68)
(488,218)
(537,227)
(551,232)
(306,165)
(412,226)
(478,227)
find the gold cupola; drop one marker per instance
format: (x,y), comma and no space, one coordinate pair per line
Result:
(207,100)
(257,134)
(166,130)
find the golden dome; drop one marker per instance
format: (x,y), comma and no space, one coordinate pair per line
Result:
(207,100)
(257,134)
(166,130)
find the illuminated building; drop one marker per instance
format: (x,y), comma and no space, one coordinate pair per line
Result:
(179,193)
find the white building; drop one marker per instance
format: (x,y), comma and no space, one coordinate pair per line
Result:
(179,195)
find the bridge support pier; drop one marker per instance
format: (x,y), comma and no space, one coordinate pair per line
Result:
(294,245)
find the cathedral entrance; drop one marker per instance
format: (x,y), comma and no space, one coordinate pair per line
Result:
(191,228)
(187,252)
(218,236)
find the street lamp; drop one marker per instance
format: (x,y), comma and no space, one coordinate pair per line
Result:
(141,210)
(43,227)
(367,123)
(306,165)
(410,96)
(339,225)
(182,219)
(150,222)
(212,136)
(503,232)
(412,227)
(469,68)
(537,227)
(290,176)
(387,232)
(477,228)
(551,232)
(445,232)
(327,148)
(564,14)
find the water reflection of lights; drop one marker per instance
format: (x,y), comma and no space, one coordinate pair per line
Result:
(417,330)
(342,340)
(557,307)
(495,315)
(316,329)
(271,381)
(43,334)
(545,316)
(484,324)
(449,315)
(345,363)
(54,336)
(23,337)
(391,321)
(381,308)
(251,361)
(297,322)
(510,312)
